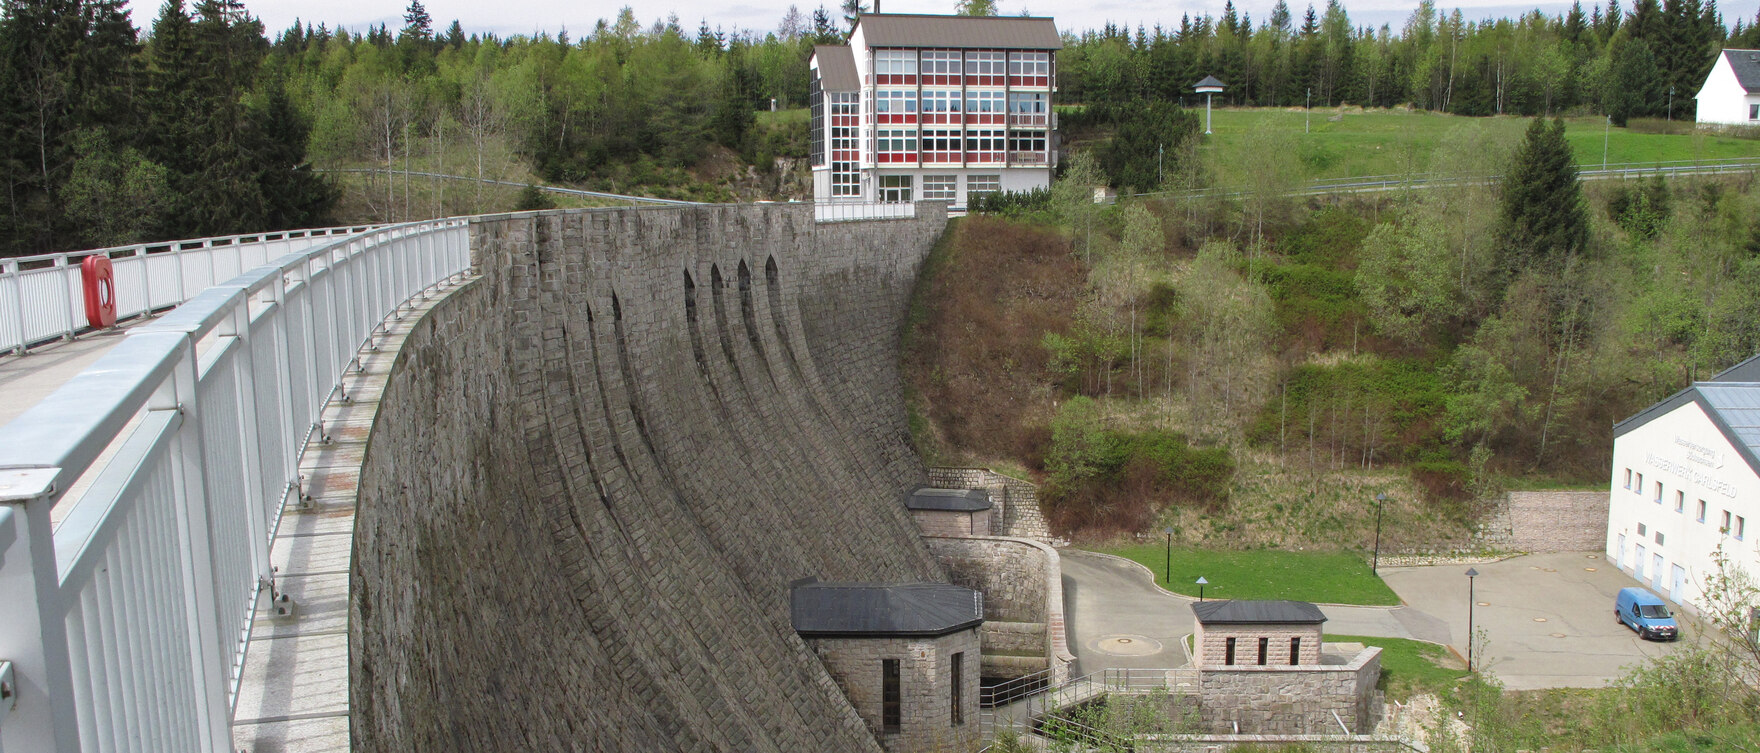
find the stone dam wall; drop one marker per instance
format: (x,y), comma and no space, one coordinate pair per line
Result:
(596,469)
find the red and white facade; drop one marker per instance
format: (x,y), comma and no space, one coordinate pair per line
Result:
(936,108)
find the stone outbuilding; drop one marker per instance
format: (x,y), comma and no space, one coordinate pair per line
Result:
(1259,633)
(906,654)
(952,512)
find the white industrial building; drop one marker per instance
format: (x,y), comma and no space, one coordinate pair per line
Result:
(1685,483)
(939,108)
(1731,94)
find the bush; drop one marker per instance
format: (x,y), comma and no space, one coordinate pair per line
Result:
(1443,479)
(532,198)
(1012,204)
(1107,480)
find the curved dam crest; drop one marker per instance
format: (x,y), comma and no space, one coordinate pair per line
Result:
(597,467)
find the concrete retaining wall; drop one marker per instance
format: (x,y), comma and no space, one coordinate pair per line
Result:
(1273,700)
(1017,501)
(1022,582)
(595,471)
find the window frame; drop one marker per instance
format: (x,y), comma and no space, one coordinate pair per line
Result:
(891,697)
(948,184)
(956,678)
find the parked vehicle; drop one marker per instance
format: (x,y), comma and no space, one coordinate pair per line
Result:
(1644,612)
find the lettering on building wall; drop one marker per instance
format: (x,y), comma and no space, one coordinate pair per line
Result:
(1699,478)
(1699,453)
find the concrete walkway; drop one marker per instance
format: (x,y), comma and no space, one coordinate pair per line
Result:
(25,380)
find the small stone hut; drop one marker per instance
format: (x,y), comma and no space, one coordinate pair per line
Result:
(906,654)
(952,512)
(1259,633)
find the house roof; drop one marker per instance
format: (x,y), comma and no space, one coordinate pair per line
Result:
(969,32)
(1236,612)
(956,500)
(883,609)
(1746,64)
(1732,401)
(837,68)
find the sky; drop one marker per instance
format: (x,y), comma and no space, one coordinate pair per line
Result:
(509,17)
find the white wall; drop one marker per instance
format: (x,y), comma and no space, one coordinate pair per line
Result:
(1685,452)
(1013,178)
(1722,99)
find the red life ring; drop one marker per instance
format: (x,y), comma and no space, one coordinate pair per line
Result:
(100,289)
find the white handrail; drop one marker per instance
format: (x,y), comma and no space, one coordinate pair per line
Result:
(41,298)
(126,625)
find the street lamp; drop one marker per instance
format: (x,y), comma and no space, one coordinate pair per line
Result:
(1209,86)
(1201,584)
(1375,564)
(1169,576)
(1471,574)
(1671,103)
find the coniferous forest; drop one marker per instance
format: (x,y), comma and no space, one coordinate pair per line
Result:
(201,123)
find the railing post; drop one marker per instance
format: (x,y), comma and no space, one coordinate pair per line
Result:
(209,678)
(238,325)
(9,275)
(33,621)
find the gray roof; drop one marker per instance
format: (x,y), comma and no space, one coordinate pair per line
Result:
(957,500)
(884,609)
(837,68)
(1746,64)
(1731,399)
(974,32)
(1236,611)
(1209,81)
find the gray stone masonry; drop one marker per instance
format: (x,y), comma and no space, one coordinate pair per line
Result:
(1211,643)
(925,687)
(1285,700)
(952,522)
(596,469)
(1315,743)
(1548,521)
(1017,501)
(1022,582)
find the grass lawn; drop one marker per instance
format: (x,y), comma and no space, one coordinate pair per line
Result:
(768,119)
(1408,666)
(1325,577)
(1389,142)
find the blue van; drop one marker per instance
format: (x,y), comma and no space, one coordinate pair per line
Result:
(1644,612)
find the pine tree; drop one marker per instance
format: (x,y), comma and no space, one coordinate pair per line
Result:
(1544,218)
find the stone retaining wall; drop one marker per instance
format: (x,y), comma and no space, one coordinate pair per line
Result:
(596,469)
(1547,521)
(1022,582)
(1017,501)
(1286,700)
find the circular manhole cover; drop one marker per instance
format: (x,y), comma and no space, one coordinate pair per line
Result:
(1127,645)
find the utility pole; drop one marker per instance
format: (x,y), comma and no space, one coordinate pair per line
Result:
(1307,113)
(1160,150)
(1671,103)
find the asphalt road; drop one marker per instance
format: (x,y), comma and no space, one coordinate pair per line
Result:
(1547,619)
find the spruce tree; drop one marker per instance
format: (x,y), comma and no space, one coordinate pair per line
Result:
(1544,218)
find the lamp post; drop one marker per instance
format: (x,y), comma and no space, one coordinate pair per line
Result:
(1671,103)
(1169,576)
(1375,564)
(1606,133)
(1308,110)
(1210,85)
(1201,584)
(1471,574)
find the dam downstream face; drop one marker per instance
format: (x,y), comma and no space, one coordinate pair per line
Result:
(596,469)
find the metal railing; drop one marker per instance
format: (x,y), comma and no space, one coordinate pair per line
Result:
(837,211)
(41,298)
(126,625)
(1020,703)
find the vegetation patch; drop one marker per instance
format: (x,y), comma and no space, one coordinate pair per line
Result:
(1328,577)
(1410,667)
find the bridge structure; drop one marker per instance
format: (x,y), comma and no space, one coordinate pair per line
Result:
(127,618)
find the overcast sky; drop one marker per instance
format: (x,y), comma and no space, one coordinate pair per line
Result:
(509,17)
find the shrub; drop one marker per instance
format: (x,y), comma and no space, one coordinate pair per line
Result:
(1442,479)
(1107,480)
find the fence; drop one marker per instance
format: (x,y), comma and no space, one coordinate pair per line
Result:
(125,626)
(835,211)
(1020,703)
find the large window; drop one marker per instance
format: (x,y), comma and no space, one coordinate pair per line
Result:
(940,145)
(941,107)
(845,121)
(895,188)
(1029,109)
(979,185)
(846,180)
(891,715)
(940,187)
(895,106)
(984,146)
(985,106)
(985,68)
(941,67)
(895,67)
(1029,69)
(896,145)
(1027,146)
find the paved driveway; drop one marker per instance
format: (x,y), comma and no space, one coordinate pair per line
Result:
(1547,618)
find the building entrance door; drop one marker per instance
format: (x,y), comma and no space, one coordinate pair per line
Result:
(1638,562)
(1656,572)
(1619,554)
(1677,581)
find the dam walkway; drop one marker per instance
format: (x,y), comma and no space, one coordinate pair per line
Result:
(170,544)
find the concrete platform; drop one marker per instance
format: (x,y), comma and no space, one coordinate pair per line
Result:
(25,380)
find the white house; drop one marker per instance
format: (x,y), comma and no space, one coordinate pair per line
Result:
(934,108)
(1686,483)
(1731,94)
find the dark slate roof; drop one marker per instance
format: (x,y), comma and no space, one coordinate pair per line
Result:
(956,500)
(884,609)
(1235,611)
(1209,81)
(837,68)
(971,32)
(1731,399)
(1746,64)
